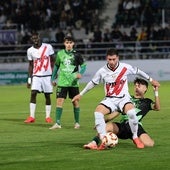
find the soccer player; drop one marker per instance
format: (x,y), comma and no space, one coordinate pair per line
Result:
(71,66)
(41,60)
(114,76)
(143,106)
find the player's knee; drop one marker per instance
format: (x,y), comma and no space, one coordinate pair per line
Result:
(131,113)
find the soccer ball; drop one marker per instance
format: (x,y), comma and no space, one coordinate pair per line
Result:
(110,140)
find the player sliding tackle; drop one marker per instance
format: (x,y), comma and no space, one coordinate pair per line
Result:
(114,76)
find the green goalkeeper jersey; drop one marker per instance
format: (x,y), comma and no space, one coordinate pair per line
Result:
(68,63)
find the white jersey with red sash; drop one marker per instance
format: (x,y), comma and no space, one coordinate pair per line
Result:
(116,81)
(41,59)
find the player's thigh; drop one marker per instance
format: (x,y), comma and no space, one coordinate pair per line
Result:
(61,95)
(107,105)
(46,84)
(102,109)
(124,103)
(73,91)
(61,92)
(36,84)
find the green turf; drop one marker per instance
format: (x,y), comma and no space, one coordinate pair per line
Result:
(35,147)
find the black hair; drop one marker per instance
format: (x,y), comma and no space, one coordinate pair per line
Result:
(35,33)
(68,37)
(141,81)
(112,51)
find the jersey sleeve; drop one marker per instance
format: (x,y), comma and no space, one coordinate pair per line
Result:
(97,77)
(29,56)
(136,71)
(51,50)
(57,59)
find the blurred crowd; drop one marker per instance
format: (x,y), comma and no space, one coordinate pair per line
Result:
(140,18)
(139,13)
(44,14)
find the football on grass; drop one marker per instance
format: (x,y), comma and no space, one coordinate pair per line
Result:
(110,140)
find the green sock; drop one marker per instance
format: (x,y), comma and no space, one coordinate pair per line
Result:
(96,139)
(76,114)
(58,112)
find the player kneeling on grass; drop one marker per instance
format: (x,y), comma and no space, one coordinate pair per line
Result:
(122,128)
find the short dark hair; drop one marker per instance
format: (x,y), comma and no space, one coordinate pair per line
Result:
(112,51)
(141,81)
(68,37)
(35,34)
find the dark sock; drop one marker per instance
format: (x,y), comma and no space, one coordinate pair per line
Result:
(76,114)
(59,111)
(96,139)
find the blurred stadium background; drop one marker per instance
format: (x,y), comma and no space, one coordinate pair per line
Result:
(139,29)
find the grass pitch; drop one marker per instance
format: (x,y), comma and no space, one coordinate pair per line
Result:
(34,146)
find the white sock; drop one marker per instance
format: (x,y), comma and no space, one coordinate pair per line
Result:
(133,122)
(100,124)
(48,110)
(32,109)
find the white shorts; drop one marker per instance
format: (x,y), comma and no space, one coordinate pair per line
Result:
(115,104)
(42,84)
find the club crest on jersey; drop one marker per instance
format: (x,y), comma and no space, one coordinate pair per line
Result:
(114,76)
(67,62)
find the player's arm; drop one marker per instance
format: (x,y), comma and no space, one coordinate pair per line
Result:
(52,59)
(146,76)
(82,70)
(30,71)
(88,87)
(156,105)
(55,69)
(54,75)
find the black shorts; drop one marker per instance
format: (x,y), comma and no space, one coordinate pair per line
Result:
(125,131)
(63,91)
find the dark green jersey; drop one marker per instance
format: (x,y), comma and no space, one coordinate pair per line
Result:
(68,63)
(142,105)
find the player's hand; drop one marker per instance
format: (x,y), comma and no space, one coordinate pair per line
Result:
(155,83)
(155,88)
(29,82)
(54,83)
(79,76)
(77,97)
(28,85)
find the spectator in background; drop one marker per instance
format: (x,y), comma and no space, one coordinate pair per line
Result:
(106,35)
(148,16)
(116,34)
(136,5)
(59,36)
(142,36)
(125,37)
(3,17)
(133,34)
(97,35)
